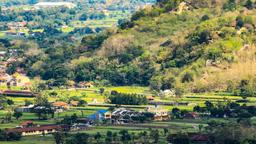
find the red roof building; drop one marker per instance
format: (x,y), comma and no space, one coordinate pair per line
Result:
(36,130)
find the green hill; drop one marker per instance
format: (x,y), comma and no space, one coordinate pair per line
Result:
(192,45)
(195,44)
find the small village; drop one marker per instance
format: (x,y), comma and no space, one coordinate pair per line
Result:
(127,72)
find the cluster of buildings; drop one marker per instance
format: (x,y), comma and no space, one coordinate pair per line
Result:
(19,78)
(117,116)
(57,107)
(17,28)
(124,115)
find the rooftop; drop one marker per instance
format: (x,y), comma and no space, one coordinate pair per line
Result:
(40,128)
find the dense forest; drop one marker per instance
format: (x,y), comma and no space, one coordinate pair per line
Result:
(193,46)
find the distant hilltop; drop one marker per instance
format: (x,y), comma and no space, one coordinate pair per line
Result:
(54,4)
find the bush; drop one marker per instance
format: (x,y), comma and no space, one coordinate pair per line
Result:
(187,77)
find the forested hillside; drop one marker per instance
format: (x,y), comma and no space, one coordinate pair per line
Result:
(192,45)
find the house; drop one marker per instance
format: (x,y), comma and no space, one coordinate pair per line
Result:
(17,25)
(41,5)
(74,103)
(27,124)
(2,54)
(11,60)
(79,127)
(160,114)
(25,109)
(37,130)
(99,115)
(150,98)
(123,115)
(11,82)
(60,104)
(4,78)
(88,85)
(85,85)
(108,115)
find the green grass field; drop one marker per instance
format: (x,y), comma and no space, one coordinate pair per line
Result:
(33,140)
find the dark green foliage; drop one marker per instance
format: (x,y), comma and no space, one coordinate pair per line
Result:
(245,89)
(230,133)
(230,5)
(201,37)
(109,137)
(59,138)
(125,24)
(180,138)
(249,4)
(240,22)
(205,17)
(125,136)
(127,99)
(11,69)
(188,77)
(79,138)
(155,135)
(176,113)
(138,15)
(10,102)
(12,136)
(92,42)
(83,17)
(17,115)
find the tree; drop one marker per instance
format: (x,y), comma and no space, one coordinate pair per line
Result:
(82,103)
(97,137)
(80,138)
(83,17)
(125,136)
(41,100)
(245,89)
(188,77)
(125,24)
(14,136)
(155,135)
(109,137)
(10,102)
(230,5)
(239,22)
(59,137)
(249,4)
(17,115)
(209,105)
(166,130)
(176,112)
(102,91)
(3,135)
